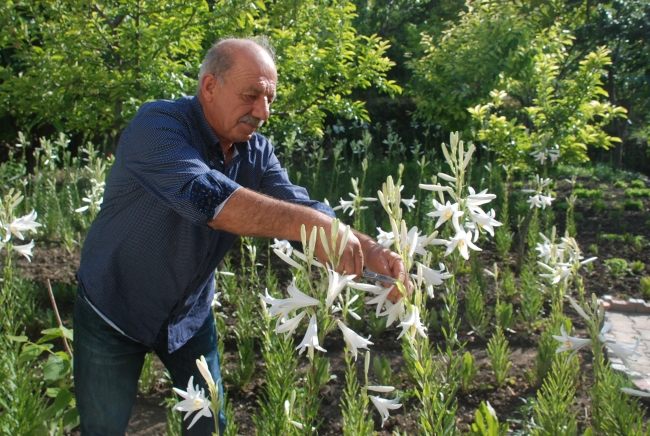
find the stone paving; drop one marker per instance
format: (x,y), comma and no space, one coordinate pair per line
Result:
(627,327)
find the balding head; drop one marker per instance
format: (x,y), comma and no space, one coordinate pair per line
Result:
(222,55)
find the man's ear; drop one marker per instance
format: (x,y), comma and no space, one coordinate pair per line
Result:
(209,86)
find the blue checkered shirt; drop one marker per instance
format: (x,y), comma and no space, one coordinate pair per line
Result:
(149,258)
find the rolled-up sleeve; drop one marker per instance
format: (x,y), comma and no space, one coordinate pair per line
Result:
(158,154)
(276,183)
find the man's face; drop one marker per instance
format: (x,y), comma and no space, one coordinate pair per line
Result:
(237,109)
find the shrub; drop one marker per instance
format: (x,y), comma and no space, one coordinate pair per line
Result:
(645,287)
(598,205)
(620,184)
(636,205)
(637,267)
(588,193)
(637,184)
(637,192)
(603,186)
(617,266)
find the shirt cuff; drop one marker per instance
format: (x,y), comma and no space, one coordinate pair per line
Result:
(217,211)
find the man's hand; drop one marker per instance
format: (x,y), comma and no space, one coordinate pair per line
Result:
(383,261)
(352,258)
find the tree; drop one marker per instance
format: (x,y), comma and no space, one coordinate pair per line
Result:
(86,67)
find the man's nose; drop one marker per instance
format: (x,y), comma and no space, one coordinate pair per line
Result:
(262,109)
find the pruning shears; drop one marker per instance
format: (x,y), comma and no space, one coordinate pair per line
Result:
(371,275)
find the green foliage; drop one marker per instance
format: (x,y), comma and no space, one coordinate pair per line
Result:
(645,287)
(614,412)
(638,184)
(617,266)
(468,371)
(87,68)
(620,184)
(637,192)
(566,114)
(598,206)
(148,375)
(504,314)
(486,423)
(499,353)
(508,289)
(634,205)
(554,414)
(383,371)
(475,311)
(281,363)
(488,37)
(532,298)
(637,267)
(588,193)
(356,419)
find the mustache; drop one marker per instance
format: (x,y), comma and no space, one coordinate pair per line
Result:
(253,121)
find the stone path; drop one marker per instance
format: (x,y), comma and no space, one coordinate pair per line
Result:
(626,328)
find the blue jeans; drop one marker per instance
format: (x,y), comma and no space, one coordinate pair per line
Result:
(107,367)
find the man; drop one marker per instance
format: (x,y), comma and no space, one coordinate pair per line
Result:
(189,176)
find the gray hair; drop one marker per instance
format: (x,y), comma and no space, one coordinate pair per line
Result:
(219,58)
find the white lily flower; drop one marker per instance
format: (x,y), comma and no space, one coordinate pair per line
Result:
(475,200)
(81,209)
(311,339)
(445,212)
(434,277)
(383,405)
(410,242)
(546,200)
(202,364)
(25,250)
(380,299)
(570,343)
(215,299)
(581,311)
(393,311)
(302,257)
(345,205)
(26,223)
(485,221)
(336,285)
(194,401)
(283,306)
(288,259)
(289,325)
(447,177)
(636,392)
(353,340)
(559,271)
(436,188)
(412,324)
(461,240)
(540,156)
(554,154)
(534,201)
(385,239)
(382,389)
(366,287)
(624,351)
(283,245)
(409,203)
